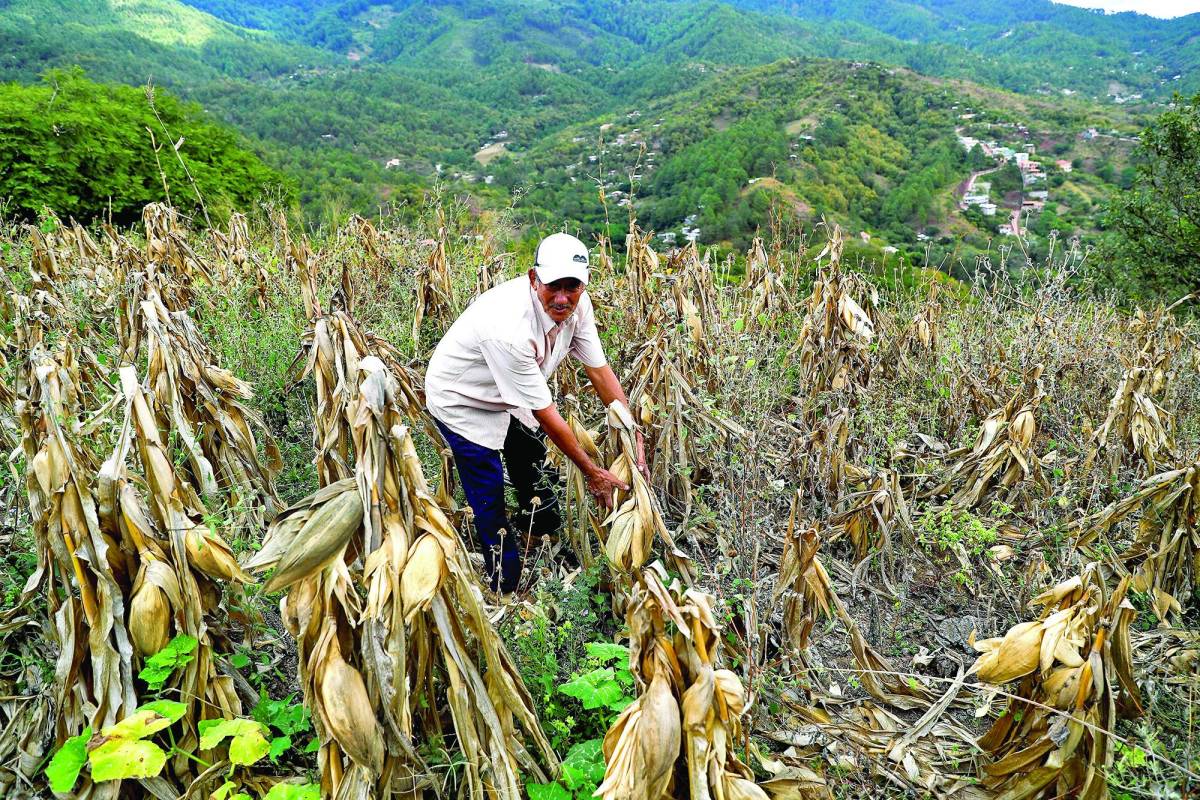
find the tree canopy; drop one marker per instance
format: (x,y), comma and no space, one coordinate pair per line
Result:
(87,150)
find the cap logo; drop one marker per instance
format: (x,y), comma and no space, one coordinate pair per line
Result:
(579,258)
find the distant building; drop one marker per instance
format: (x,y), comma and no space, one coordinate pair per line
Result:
(987,209)
(392,163)
(1064,165)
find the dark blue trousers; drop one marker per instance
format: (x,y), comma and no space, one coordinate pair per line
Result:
(482,476)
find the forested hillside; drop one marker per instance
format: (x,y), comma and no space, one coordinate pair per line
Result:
(703,114)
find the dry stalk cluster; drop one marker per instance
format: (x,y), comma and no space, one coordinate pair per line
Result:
(1075,666)
(1165,553)
(1003,454)
(1137,426)
(387,611)
(680,736)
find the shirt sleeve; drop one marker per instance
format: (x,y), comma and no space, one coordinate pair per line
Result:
(585,345)
(517,376)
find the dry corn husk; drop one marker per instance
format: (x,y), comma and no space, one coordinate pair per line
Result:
(1075,658)
(687,719)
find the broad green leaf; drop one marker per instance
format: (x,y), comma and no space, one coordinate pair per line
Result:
(143,722)
(294,791)
(584,764)
(248,743)
(584,687)
(171,709)
(547,791)
(222,791)
(607,651)
(126,758)
(63,769)
(279,746)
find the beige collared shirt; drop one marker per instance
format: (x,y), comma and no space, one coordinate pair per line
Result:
(493,363)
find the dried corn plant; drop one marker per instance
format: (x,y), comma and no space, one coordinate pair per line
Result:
(206,408)
(673,417)
(76,557)
(697,302)
(435,290)
(765,295)
(836,334)
(920,338)
(808,595)
(636,517)
(374,673)
(1137,426)
(1003,454)
(235,259)
(1075,665)
(331,348)
(686,722)
(641,269)
(870,513)
(1165,552)
(167,245)
(182,561)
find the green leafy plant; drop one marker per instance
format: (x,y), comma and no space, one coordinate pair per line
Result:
(120,751)
(288,719)
(605,690)
(160,666)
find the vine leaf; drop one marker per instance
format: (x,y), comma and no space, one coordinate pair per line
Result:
(248,742)
(64,768)
(116,759)
(294,791)
(160,666)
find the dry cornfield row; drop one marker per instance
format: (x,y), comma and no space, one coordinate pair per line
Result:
(826,453)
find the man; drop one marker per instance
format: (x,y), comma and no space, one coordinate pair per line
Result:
(486,388)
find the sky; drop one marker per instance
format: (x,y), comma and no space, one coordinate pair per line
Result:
(1155,8)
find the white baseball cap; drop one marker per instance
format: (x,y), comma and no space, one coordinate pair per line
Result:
(561,255)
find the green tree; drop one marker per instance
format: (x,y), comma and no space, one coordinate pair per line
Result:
(1154,249)
(87,149)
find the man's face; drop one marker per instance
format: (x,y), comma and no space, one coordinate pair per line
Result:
(558,298)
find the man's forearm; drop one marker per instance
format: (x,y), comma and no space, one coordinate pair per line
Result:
(559,432)
(604,380)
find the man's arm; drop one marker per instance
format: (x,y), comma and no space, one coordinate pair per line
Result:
(609,388)
(600,482)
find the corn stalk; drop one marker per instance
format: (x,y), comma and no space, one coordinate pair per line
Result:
(374,672)
(1003,454)
(1165,553)
(435,291)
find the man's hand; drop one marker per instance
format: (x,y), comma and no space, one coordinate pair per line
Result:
(640,441)
(601,482)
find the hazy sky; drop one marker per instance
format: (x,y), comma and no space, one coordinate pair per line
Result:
(1155,8)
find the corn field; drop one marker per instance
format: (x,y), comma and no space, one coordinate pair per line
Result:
(899,536)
